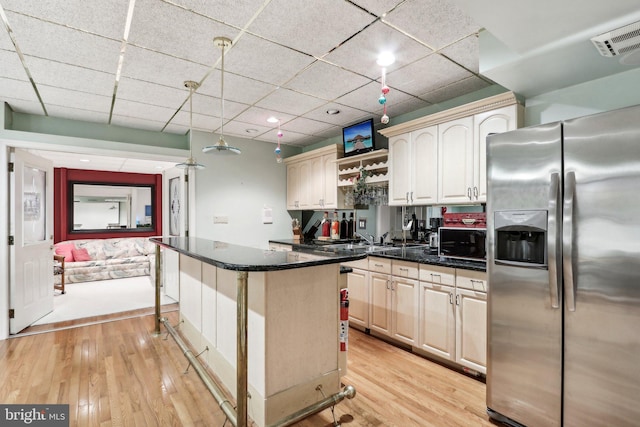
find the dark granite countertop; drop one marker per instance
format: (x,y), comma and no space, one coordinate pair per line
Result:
(420,254)
(242,258)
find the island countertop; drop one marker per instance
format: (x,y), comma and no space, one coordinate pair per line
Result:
(243,258)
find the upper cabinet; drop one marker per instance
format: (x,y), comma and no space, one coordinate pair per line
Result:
(312,179)
(441,158)
(413,167)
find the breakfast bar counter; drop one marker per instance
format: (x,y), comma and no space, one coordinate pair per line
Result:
(269,322)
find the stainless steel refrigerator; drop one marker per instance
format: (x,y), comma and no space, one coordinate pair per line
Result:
(563,259)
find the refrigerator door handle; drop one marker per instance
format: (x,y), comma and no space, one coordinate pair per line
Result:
(567,241)
(552,239)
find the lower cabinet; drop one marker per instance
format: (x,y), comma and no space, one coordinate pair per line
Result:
(471,329)
(453,319)
(438,310)
(358,286)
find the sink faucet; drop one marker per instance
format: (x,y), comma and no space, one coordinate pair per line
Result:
(371,240)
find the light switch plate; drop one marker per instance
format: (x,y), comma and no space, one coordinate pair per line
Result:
(220,219)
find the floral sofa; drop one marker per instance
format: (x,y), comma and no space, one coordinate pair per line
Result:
(100,259)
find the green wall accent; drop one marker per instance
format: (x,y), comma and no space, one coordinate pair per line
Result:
(35,124)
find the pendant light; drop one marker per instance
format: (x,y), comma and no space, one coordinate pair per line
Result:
(221,146)
(191,161)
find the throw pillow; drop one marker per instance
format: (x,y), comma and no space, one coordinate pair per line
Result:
(66,249)
(81,254)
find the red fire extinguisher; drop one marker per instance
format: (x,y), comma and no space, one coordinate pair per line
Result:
(344,319)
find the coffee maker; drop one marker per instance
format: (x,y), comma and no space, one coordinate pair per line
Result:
(434,224)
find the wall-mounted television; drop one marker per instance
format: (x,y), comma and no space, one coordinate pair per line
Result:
(358,138)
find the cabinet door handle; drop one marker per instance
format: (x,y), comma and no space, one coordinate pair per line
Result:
(378,265)
(412,197)
(388,287)
(469,193)
(458,299)
(475,192)
(404,269)
(479,282)
(392,288)
(450,298)
(407,197)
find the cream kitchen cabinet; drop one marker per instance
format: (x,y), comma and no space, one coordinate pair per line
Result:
(394,299)
(413,167)
(312,179)
(495,121)
(358,286)
(455,161)
(471,319)
(453,315)
(437,327)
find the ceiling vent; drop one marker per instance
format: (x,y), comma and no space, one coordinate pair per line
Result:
(618,42)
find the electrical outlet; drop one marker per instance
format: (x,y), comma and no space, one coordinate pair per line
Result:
(220,219)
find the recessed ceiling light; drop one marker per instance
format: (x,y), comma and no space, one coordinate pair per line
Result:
(273,120)
(85,160)
(333,111)
(385,59)
(251,130)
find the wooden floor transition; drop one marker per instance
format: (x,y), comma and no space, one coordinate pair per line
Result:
(117,373)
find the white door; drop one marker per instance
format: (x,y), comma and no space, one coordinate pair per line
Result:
(31,225)
(455,161)
(177,214)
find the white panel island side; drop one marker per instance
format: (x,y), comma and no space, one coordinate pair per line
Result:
(291,305)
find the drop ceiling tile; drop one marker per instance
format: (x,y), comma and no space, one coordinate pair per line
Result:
(264,61)
(437,23)
(378,7)
(5,40)
(149,93)
(360,53)
(172,30)
(426,75)
(210,106)
(326,81)
(459,88)
(332,132)
(201,122)
(176,128)
(53,73)
(289,137)
(234,12)
(313,29)
(236,88)
(78,114)
(12,66)
(259,116)
(406,106)
(290,102)
(346,116)
(73,99)
(63,44)
(239,128)
(366,98)
(146,65)
(104,17)
(18,89)
(123,107)
(466,52)
(306,126)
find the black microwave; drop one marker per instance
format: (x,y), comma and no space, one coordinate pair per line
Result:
(462,243)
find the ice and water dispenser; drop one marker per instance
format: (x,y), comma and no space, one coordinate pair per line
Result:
(521,238)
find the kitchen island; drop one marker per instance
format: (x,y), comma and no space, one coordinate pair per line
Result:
(269,322)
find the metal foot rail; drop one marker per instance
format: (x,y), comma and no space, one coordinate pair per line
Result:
(349,392)
(213,388)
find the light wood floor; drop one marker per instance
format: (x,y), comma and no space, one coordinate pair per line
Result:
(117,373)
